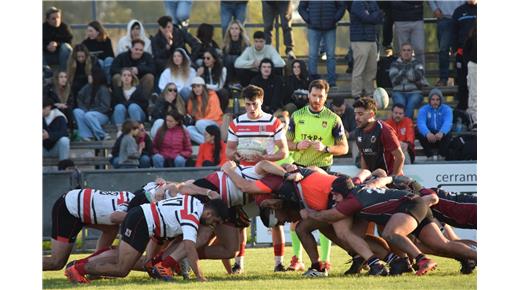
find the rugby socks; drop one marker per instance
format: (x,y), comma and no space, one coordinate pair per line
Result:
(81,268)
(279,250)
(239,260)
(85,260)
(419,257)
(171,263)
(325,248)
(296,245)
(372,261)
(390,258)
(317,266)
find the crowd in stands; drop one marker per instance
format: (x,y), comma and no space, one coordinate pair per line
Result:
(181,84)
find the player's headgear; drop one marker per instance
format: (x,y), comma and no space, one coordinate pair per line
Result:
(342,185)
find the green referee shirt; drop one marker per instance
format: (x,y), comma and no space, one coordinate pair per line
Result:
(324,126)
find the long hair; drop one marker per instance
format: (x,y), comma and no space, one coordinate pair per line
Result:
(72,64)
(244,39)
(195,102)
(98,80)
(216,71)
(214,130)
(135,79)
(205,33)
(63,93)
(304,74)
(180,105)
(103,35)
(162,131)
(184,69)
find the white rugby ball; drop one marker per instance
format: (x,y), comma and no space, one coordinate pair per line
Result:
(381,98)
(249,149)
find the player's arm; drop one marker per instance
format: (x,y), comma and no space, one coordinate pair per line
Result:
(340,146)
(379,182)
(283,151)
(117,217)
(329,215)
(291,145)
(193,259)
(244,185)
(398,161)
(192,189)
(231,150)
(265,167)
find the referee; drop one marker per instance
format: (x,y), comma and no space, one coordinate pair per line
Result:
(315,135)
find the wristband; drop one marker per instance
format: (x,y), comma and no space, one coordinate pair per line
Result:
(208,192)
(327,149)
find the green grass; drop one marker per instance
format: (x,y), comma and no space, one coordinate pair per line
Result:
(259,275)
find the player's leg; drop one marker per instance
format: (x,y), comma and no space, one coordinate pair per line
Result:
(325,248)
(297,259)
(304,231)
(108,235)
(127,256)
(432,237)
(239,259)
(60,252)
(278,247)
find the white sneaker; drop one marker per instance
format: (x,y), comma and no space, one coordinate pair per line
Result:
(312,273)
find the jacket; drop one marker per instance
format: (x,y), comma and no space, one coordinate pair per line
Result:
(206,154)
(59,34)
(404,130)
(250,54)
(446,7)
(407,10)
(100,103)
(148,147)
(176,141)
(145,65)
(322,15)
(125,43)
(464,19)
(407,76)
(161,108)
(364,17)
(180,39)
(273,91)
(430,120)
(128,150)
(56,125)
(137,97)
(213,110)
(99,49)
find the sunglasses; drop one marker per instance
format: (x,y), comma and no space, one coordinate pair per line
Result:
(172,90)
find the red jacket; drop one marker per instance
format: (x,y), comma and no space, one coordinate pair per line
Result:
(206,153)
(404,130)
(176,141)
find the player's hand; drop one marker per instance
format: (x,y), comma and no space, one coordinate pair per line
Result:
(160,181)
(318,146)
(228,166)
(290,167)
(256,158)
(302,145)
(371,183)
(296,177)
(202,279)
(304,213)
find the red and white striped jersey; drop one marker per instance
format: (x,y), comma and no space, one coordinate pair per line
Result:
(259,134)
(173,217)
(94,206)
(228,191)
(152,187)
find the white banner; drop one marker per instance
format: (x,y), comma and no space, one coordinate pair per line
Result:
(458,177)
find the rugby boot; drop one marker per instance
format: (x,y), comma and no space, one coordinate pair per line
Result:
(279,268)
(357,265)
(399,266)
(467,266)
(296,265)
(159,271)
(237,269)
(377,269)
(316,270)
(74,276)
(425,265)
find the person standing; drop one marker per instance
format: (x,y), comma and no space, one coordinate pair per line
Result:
(179,11)
(232,10)
(364,18)
(316,134)
(270,11)
(409,25)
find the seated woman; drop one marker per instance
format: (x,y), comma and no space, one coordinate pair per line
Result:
(128,100)
(134,30)
(171,145)
(180,72)
(143,141)
(213,151)
(204,108)
(214,75)
(168,101)
(205,35)
(59,92)
(93,108)
(235,42)
(297,80)
(129,151)
(79,67)
(100,46)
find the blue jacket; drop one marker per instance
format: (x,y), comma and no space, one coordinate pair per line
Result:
(364,16)
(407,10)
(432,120)
(321,15)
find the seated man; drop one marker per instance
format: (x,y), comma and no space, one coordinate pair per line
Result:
(272,84)
(404,130)
(164,220)
(56,142)
(57,39)
(434,123)
(248,62)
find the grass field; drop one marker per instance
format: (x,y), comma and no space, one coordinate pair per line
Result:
(259,275)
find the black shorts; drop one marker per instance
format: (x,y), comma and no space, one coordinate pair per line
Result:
(134,229)
(428,219)
(414,207)
(65,226)
(139,198)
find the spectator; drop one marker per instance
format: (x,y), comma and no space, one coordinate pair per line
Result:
(79,67)
(297,80)
(270,11)
(205,35)
(143,140)
(470,57)
(215,75)
(129,151)
(404,129)
(249,61)
(171,145)
(169,38)
(179,11)
(100,46)
(464,19)
(321,18)
(59,92)
(93,108)
(56,142)
(388,24)
(204,108)
(235,42)
(407,76)
(180,72)
(213,151)
(57,39)
(232,11)
(364,19)
(409,25)
(272,85)
(128,100)
(443,10)
(134,30)
(345,111)
(168,101)
(140,62)
(434,124)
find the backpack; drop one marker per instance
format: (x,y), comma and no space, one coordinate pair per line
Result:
(383,67)
(462,147)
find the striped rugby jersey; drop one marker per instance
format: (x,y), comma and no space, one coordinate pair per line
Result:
(94,206)
(259,134)
(173,217)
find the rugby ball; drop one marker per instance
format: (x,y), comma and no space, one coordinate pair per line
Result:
(381,98)
(249,149)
